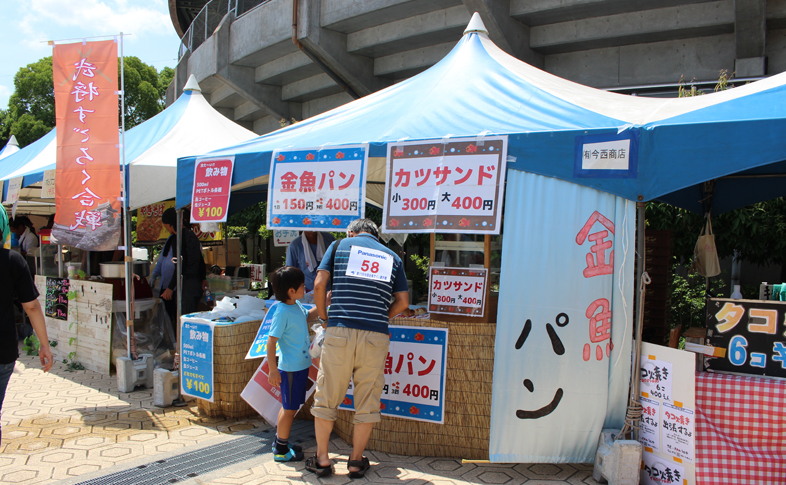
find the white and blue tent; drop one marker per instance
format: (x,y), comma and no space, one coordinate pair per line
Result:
(10,148)
(189,125)
(575,388)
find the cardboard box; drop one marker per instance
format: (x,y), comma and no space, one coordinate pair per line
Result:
(217,255)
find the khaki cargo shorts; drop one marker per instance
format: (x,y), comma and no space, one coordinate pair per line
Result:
(357,354)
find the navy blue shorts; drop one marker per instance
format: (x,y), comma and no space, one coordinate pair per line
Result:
(293,388)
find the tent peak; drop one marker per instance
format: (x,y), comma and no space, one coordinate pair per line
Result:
(12,141)
(192,84)
(476,25)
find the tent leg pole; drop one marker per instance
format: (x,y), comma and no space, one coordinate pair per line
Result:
(640,271)
(179,401)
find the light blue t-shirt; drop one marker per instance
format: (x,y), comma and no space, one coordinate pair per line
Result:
(290,327)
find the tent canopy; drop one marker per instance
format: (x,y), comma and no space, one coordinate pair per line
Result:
(10,148)
(478,89)
(189,125)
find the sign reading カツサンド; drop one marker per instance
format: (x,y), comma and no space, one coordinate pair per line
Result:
(454,186)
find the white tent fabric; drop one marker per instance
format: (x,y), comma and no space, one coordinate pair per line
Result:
(190,125)
(10,148)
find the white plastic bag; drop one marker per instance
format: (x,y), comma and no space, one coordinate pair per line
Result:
(315,350)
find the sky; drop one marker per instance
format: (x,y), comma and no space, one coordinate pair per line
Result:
(28,24)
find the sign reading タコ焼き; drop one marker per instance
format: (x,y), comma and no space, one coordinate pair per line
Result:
(317,189)
(212,187)
(667,387)
(454,186)
(457,291)
(754,334)
(414,375)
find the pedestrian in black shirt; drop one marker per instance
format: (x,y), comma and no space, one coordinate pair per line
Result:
(15,281)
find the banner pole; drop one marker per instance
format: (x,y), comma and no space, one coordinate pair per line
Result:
(126,213)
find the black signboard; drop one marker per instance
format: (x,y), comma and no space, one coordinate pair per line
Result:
(57,298)
(752,332)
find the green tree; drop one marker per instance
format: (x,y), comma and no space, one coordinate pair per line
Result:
(31,108)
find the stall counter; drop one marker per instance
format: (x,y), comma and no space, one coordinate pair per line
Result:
(467,412)
(84,326)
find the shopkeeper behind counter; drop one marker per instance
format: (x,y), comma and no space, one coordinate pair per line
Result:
(306,253)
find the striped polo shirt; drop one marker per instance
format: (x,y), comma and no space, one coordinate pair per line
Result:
(360,303)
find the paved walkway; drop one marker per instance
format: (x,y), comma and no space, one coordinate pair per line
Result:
(73,427)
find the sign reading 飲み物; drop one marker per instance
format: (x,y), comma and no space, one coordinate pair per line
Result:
(196,358)
(414,375)
(458,291)
(318,189)
(612,155)
(212,187)
(450,186)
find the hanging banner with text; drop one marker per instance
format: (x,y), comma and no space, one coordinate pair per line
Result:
(752,331)
(150,229)
(668,401)
(48,185)
(196,358)
(414,375)
(88,164)
(283,237)
(451,187)
(318,189)
(212,187)
(14,187)
(457,291)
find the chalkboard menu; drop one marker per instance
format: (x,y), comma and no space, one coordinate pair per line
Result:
(57,298)
(752,332)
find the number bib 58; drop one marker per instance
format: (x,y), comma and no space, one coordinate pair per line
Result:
(369,264)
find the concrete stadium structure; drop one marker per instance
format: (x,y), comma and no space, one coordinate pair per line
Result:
(261,62)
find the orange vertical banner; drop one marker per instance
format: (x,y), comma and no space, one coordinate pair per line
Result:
(88,168)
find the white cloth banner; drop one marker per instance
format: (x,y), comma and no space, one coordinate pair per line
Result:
(563,351)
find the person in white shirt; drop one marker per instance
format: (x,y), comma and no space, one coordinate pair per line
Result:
(23,228)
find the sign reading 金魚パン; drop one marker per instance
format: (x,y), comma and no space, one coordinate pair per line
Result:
(457,291)
(212,187)
(317,189)
(414,375)
(454,186)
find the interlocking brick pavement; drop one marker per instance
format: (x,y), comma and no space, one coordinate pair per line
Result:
(72,426)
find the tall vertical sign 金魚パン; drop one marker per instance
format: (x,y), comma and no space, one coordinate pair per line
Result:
(317,189)
(212,187)
(88,170)
(562,359)
(453,186)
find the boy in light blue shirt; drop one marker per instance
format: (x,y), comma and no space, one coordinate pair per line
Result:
(290,331)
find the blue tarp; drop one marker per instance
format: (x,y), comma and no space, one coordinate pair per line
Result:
(478,89)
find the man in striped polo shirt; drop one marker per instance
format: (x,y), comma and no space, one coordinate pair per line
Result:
(369,287)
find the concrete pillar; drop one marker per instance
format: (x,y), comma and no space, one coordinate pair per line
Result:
(750,30)
(242,79)
(330,47)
